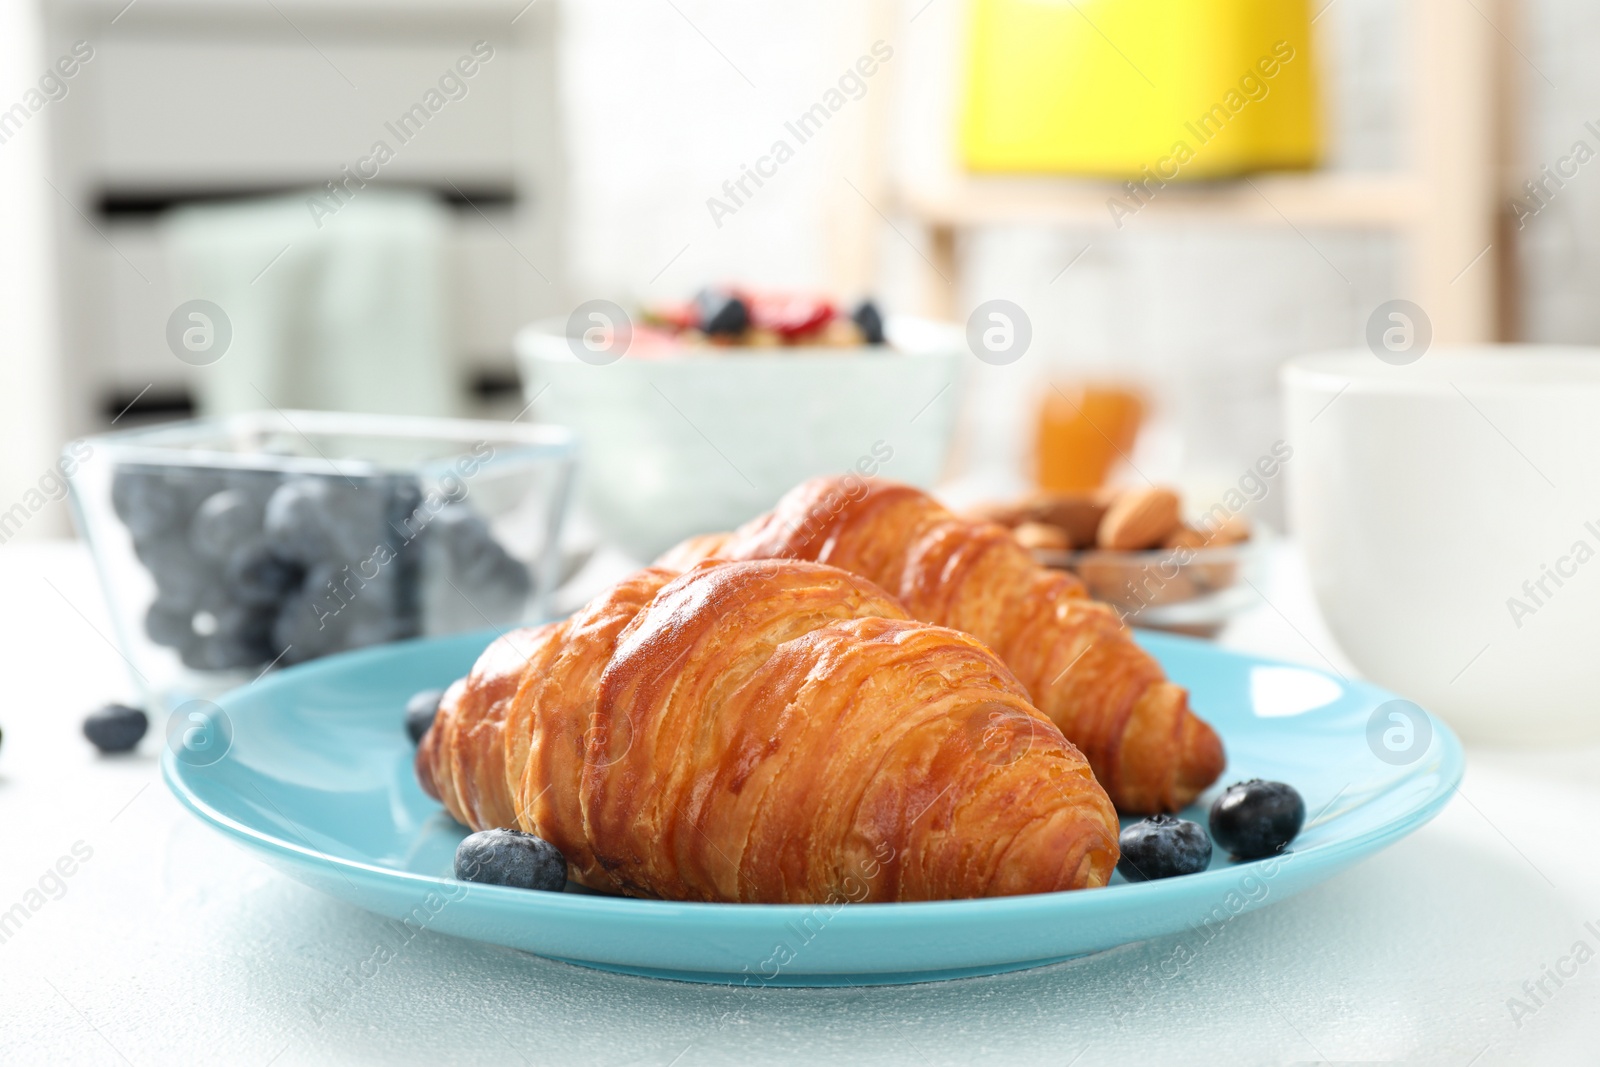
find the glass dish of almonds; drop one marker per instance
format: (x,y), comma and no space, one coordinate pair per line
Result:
(1137,550)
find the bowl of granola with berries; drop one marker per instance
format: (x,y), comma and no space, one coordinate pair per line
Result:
(697,415)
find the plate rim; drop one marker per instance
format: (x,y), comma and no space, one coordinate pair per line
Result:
(1446,765)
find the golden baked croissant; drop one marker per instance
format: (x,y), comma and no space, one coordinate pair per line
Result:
(772,732)
(1075,657)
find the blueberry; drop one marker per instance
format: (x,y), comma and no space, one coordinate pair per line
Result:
(405,497)
(721,313)
(327,520)
(513,858)
(307,625)
(147,502)
(115,727)
(470,578)
(230,635)
(256,574)
(169,624)
(1255,819)
(182,578)
(1162,846)
(223,522)
(257,486)
(420,710)
(293,524)
(870,320)
(338,609)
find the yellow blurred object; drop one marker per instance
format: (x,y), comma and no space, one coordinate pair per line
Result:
(1082,431)
(1185,88)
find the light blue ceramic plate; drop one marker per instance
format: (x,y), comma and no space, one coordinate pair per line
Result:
(318,781)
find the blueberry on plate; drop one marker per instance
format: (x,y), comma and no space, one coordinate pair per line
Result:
(115,728)
(1255,819)
(1161,847)
(511,858)
(420,710)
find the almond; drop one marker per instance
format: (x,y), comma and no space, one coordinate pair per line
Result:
(1039,535)
(1078,514)
(1184,537)
(1139,519)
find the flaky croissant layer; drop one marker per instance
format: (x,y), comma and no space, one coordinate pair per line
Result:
(775,732)
(1073,655)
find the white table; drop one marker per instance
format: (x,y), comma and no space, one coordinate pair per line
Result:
(169,945)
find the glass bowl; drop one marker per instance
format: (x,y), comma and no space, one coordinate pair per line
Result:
(232,545)
(1193,591)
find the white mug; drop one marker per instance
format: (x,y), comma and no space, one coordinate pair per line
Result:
(1449,510)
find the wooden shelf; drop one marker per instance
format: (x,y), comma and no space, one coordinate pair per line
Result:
(1321,199)
(1447,206)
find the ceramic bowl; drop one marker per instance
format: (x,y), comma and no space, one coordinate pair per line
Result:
(1449,510)
(705,439)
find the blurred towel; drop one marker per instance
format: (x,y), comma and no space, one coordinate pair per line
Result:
(348,315)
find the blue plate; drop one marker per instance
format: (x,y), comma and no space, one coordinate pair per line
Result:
(318,781)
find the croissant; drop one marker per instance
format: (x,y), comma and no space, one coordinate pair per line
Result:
(1073,655)
(774,732)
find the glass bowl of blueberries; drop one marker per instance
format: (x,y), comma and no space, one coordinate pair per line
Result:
(232,545)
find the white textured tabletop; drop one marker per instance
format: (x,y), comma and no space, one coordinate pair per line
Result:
(169,945)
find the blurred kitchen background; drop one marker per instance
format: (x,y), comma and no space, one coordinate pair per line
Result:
(576,162)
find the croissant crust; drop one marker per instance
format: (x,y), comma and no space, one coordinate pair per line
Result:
(1072,654)
(772,731)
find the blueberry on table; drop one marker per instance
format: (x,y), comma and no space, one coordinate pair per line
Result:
(420,710)
(1161,847)
(115,727)
(1255,819)
(870,320)
(721,313)
(511,858)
